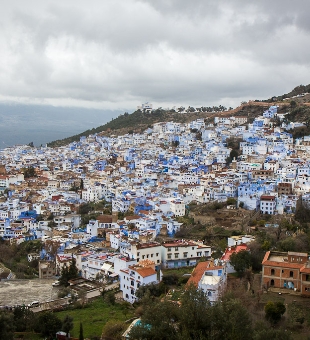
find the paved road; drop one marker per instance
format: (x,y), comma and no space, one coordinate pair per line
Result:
(18,292)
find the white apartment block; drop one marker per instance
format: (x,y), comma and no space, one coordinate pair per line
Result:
(92,194)
(213,282)
(177,207)
(135,276)
(183,253)
(267,204)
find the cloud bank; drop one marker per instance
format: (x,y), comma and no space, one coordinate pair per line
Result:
(117,54)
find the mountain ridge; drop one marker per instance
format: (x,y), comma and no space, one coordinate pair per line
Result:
(138,121)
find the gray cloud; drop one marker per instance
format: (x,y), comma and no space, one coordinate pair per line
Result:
(113,54)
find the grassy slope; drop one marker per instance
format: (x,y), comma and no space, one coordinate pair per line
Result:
(94,316)
(135,122)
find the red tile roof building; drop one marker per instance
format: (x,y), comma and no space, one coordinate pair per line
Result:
(289,270)
(228,252)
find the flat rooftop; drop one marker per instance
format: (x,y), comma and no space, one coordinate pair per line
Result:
(278,258)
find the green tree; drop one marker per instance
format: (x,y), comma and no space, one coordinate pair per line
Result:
(157,323)
(231,201)
(67,324)
(241,261)
(6,325)
(48,324)
(73,270)
(68,273)
(113,330)
(24,318)
(175,143)
(262,332)
(288,244)
(29,172)
(50,217)
(155,289)
(109,298)
(230,320)
(302,213)
(274,311)
(233,154)
(257,254)
(195,314)
(81,334)
(84,208)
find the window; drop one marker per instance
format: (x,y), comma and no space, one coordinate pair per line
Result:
(291,274)
(151,255)
(176,255)
(272,271)
(169,249)
(157,254)
(169,256)
(185,254)
(272,282)
(176,248)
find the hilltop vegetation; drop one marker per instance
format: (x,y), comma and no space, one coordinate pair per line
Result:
(14,257)
(138,121)
(298,90)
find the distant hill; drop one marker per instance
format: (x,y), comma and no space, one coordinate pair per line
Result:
(138,121)
(135,122)
(297,91)
(40,124)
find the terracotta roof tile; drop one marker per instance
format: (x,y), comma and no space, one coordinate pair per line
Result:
(144,272)
(229,251)
(198,272)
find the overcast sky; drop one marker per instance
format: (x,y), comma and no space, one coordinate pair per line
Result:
(117,54)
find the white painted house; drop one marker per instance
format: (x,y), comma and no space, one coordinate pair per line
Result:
(135,276)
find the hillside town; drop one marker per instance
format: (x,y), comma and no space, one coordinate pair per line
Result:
(117,209)
(145,184)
